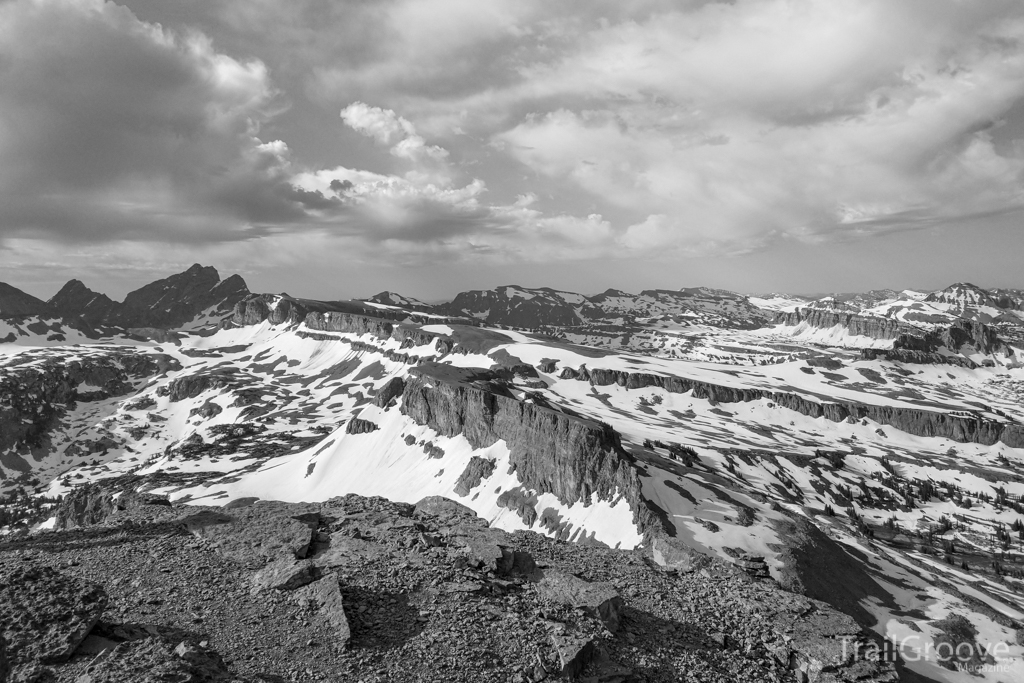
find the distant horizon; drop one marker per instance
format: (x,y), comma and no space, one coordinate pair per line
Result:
(224,274)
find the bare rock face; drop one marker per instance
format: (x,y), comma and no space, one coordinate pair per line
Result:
(93,503)
(45,615)
(552,452)
(910,420)
(358,426)
(599,600)
(671,553)
(257,534)
(861,325)
(476,471)
(393,389)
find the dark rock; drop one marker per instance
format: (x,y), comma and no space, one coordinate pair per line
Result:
(476,471)
(358,426)
(45,615)
(599,600)
(551,451)
(392,389)
(16,303)
(574,651)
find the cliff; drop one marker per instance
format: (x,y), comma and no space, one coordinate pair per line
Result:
(854,323)
(910,420)
(552,452)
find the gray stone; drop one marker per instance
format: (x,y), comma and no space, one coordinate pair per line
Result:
(253,535)
(600,600)
(45,615)
(324,597)
(284,574)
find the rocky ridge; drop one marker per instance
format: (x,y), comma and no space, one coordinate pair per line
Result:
(364,589)
(910,420)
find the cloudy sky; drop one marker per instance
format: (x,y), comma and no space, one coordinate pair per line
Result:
(334,148)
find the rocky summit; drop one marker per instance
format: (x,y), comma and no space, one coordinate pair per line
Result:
(199,483)
(366,589)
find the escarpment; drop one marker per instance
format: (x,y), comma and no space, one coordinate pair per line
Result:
(962,335)
(910,420)
(854,323)
(552,452)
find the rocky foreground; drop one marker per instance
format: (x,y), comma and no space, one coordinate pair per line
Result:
(130,588)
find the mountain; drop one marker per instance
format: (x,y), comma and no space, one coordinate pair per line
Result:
(392,299)
(14,302)
(680,445)
(76,300)
(515,306)
(195,295)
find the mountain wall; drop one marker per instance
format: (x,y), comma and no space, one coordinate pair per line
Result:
(552,452)
(854,323)
(910,420)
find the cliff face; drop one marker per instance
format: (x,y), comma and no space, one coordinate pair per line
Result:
(552,452)
(854,323)
(910,420)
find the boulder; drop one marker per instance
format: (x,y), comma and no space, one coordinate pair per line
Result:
(45,615)
(574,651)
(672,553)
(358,426)
(284,574)
(599,600)
(258,533)
(324,597)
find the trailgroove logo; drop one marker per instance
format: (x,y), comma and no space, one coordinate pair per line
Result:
(966,656)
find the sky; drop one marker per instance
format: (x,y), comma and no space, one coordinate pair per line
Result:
(337,148)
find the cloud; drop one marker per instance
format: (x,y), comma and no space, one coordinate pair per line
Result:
(111,127)
(384,126)
(508,130)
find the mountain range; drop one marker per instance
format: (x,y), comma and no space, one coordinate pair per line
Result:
(862,454)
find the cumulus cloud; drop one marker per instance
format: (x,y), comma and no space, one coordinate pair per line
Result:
(509,129)
(113,127)
(387,127)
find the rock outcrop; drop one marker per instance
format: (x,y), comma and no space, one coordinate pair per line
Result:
(44,616)
(570,457)
(861,325)
(910,420)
